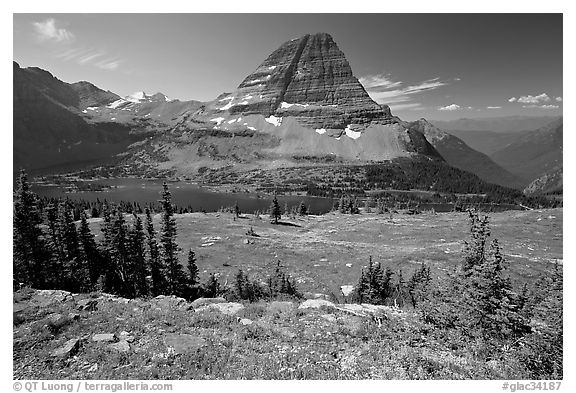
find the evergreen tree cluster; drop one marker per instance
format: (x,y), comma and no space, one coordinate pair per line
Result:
(279,284)
(131,259)
(347,204)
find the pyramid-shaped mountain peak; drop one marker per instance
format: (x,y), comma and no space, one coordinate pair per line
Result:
(307,78)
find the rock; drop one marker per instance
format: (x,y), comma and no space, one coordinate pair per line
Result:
(55,322)
(313,72)
(227,308)
(184,343)
(347,289)
(74,316)
(203,301)
(70,348)
(125,336)
(87,305)
(104,337)
(121,346)
(46,297)
(167,302)
(316,303)
(329,317)
(245,321)
(280,307)
(310,295)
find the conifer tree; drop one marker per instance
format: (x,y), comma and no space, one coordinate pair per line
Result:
(30,253)
(212,287)
(275,212)
(118,250)
(175,277)
(89,249)
(75,267)
(55,247)
(302,209)
(138,269)
(157,271)
(192,268)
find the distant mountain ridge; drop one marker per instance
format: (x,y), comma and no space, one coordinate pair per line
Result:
(458,154)
(534,153)
(301,106)
(495,124)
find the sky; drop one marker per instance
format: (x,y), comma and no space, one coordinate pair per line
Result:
(436,66)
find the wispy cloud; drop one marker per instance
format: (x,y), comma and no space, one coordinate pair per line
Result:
(451,107)
(90,56)
(512,99)
(109,64)
(548,106)
(384,90)
(48,30)
(493,107)
(559,99)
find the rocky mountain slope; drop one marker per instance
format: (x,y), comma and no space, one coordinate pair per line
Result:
(49,129)
(550,182)
(535,153)
(458,154)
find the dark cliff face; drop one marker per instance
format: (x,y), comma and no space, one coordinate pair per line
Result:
(48,129)
(310,79)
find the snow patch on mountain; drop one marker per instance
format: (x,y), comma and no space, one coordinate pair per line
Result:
(275,121)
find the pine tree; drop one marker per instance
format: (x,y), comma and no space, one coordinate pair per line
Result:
(192,268)
(118,274)
(55,247)
(236,210)
(76,272)
(302,209)
(157,275)
(175,277)
(212,287)
(275,212)
(31,256)
(89,250)
(138,269)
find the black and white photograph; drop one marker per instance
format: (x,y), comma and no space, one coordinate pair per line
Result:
(287,196)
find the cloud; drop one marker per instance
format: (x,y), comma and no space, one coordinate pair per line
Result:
(529,99)
(493,107)
(49,31)
(109,64)
(559,99)
(380,81)
(413,106)
(384,90)
(541,106)
(451,107)
(90,56)
(512,99)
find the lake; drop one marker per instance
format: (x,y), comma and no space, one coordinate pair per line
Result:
(183,195)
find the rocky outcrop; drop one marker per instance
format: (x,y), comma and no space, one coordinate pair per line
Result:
(309,79)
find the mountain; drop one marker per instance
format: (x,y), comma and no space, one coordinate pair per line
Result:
(548,183)
(142,111)
(495,124)
(458,154)
(302,104)
(487,142)
(48,128)
(535,153)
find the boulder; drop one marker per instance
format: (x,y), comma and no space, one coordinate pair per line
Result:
(227,308)
(70,348)
(203,301)
(121,346)
(87,305)
(104,337)
(245,321)
(125,336)
(184,343)
(316,303)
(166,302)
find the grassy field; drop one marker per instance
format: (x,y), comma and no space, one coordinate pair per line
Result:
(172,339)
(324,252)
